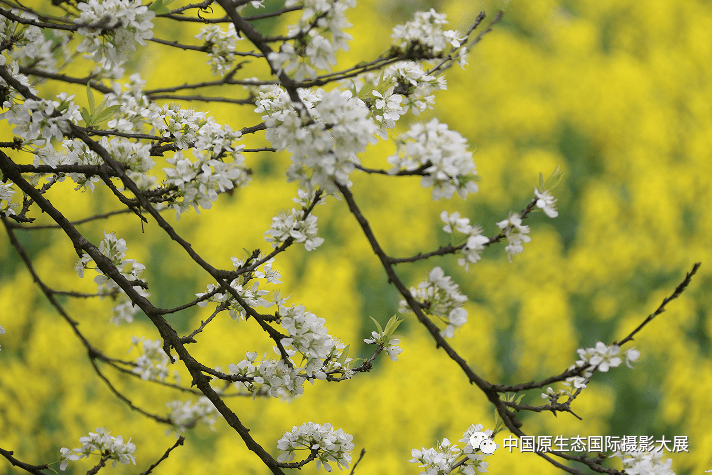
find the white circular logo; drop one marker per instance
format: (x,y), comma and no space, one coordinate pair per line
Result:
(480,440)
(488,446)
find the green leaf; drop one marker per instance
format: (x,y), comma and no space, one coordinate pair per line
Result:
(90,98)
(86,116)
(378,325)
(392,325)
(159,7)
(541,181)
(554,179)
(344,355)
(104,114)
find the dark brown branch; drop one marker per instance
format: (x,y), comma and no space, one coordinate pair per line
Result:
(75,223)
(487,388)
(198,98)
(353,469)
(678,291)
(35,469)
(66,78)
(180,441)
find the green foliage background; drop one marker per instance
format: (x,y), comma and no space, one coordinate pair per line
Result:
(616,92)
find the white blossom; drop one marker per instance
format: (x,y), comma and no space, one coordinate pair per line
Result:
(307,332)
(389,344)
(386,110)
(153,362)
(318,36)
(101,443)
(294,225)
(271,377)
(441,297)
(439,460)
(546,202)
(221,47)
(41,120)
(472,251)
(199,181)
(414,85)
(332,445)
(442,155)
(515,233)
(7,207)
(112,28)
(324,140)
(425,31)
(186,414)
(455,222)
(601,357)
(631,354)
(13,100)
(29,45)
(115,249)
(645,463)
(476,241)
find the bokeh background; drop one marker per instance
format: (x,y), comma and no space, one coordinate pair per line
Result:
(615,92)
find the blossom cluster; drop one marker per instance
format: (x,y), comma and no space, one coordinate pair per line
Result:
(28,45)
(2,332)
(546,202)
(390,345)
(385,339)
(252,295)
(153,362)
(441,297)
(332,445)
(425,35)
(603,357)
(221,47)
(7,207)
(442,157)
(134,156)
(317,38)
(275,378)
(216,164)
(401,87)
(199,181)
(321,354)
(186,414)
(440,460)
(112,28)
(135,110)
(12,97)
(515,233)
(416,86)
(41,120)
(645,463)
(115,249)
(324,138)
(100,443)
(297,225)
(306,335)
(476,241)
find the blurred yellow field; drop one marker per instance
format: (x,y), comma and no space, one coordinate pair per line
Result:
(617,94)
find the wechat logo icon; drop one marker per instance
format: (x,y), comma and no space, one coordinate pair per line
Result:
(480,440)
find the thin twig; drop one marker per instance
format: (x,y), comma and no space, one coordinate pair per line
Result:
(180,441)
(678,291)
